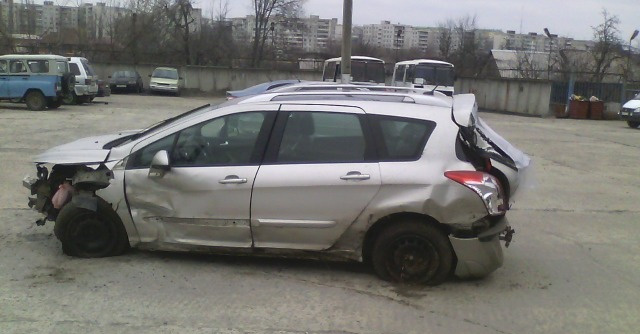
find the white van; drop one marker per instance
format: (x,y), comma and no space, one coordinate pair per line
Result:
(425,73)
(86,86)
(363,70)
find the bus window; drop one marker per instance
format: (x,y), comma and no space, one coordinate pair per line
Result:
(329,73)
(399,75)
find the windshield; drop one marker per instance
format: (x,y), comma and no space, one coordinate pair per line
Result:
(367,71)
(165,73)
(440,75)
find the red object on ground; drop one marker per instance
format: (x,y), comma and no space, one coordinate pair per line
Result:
(596,109)
(579,109)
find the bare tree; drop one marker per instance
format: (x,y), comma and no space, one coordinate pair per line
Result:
(180,13)
(445,39)
(263,10)
(528,66)
(607,47)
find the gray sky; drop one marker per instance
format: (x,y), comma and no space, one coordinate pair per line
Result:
(571,18)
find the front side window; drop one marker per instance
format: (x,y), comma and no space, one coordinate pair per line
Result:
(3,66)
(402,139)
(38,66)
(223,141)
(17,66)
(142,158)
(318,137)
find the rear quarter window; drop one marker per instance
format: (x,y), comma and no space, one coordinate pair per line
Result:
(74,69)
(401,139)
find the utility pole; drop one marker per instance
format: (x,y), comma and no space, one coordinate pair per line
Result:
(626,73)
(345,64)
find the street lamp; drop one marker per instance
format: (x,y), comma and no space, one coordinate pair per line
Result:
(633,36)
(546,32)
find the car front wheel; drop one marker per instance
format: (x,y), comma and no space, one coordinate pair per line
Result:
(86,233)
(35,101)
(412,251)
(633,124)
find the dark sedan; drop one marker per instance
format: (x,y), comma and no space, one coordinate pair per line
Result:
(129,81)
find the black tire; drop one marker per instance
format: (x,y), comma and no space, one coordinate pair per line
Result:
(633,124)
(412,251)
(71,98)
(88,234)
(35,100)
(68,83)
(54,104)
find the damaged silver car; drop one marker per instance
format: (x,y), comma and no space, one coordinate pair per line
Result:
(417,185)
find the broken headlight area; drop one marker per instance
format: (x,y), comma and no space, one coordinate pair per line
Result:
(51,191)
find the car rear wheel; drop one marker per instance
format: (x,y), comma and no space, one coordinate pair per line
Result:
(412,251)
(633,124)
(88,234)
(54,104)
(70,98)
(35,100)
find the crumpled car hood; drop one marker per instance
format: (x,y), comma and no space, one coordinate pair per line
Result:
(82,151)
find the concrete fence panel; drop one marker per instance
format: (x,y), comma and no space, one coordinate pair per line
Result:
(212,80)
(525,97)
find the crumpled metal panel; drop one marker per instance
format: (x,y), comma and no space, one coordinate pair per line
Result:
(82,151)
(190,205)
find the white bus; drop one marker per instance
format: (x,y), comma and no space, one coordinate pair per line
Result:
(363,70)
(424,73)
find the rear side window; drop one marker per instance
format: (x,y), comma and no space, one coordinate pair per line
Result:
(38,66)
(401,139)
(3,66)
(74,69)
(319,137)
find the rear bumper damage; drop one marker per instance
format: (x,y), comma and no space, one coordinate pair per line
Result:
(480,256)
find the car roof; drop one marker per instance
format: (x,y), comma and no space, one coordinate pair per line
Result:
(423,61)
(166,68)
(33,57)
(339,59)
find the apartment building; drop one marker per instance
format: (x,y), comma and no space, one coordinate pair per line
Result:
(310,34)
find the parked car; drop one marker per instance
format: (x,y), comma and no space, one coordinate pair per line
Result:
(103,89)
(416,185)
(86,86)
(630,112)
(130,81)
(165,80)
(39,80)
(259,88)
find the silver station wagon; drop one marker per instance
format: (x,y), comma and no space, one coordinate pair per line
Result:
(416,184)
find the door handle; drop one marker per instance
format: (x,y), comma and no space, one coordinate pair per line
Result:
(355,176)
(233,179)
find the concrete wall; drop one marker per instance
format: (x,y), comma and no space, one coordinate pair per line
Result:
(212,80)
(509,95)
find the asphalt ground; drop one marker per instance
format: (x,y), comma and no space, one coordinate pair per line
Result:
(574,265)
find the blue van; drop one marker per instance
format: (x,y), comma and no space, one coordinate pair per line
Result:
(39,80)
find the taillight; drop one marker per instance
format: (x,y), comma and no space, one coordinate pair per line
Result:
(485,185)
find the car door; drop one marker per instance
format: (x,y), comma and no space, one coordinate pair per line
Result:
(319,174)
(204,198)
(4,78)
(18,78)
